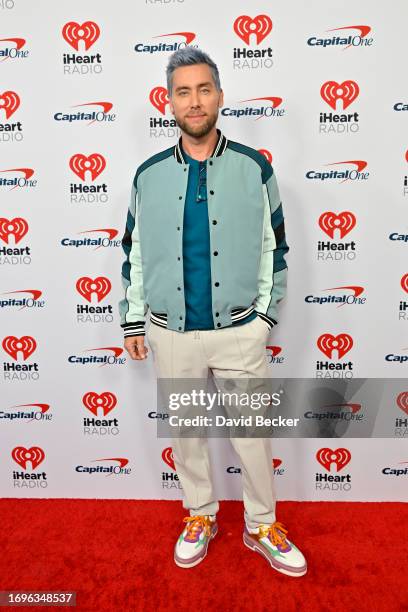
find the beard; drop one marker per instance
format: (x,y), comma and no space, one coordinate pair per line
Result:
(198,131)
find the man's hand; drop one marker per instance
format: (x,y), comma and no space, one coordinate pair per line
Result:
(135,347)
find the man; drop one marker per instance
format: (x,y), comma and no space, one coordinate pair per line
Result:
(205,245)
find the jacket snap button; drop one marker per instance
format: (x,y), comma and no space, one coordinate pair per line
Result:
(181,318)
(215,252)
(180,197)
(180,328)
(210,163)
(217,314)
(211,192)
(178,228)
(217,284)
(178,288)
(218,324)
(214,222)
(178,258)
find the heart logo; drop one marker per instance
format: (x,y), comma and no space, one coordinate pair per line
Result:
(88,32)
(344,222)
(22,456)
(167,456)
(327,343)
(17,227)
(92,401)
(340,457)
(9,102)
(347,92)
(159,98)
(100,286)
(244,26)
(25,344)
(402,401)
(95,164)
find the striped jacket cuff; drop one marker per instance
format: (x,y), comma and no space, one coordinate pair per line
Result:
(268,320)
(134,329)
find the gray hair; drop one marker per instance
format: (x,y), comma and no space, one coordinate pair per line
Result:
(189,56)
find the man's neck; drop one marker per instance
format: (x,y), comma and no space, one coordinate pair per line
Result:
(199,148)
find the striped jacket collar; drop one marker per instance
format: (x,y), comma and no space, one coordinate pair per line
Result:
(219,148)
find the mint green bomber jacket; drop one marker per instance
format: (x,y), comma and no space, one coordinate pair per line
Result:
(247,239)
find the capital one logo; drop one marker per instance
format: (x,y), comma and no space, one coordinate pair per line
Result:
(344,222)
(260,26)
(9,102)
(346,92)
(95,164)
(404,282)
(17,227)
(34,296)
(13,52)
(19,181)
(106,401)
(188,36)
(88,33)
(327,343)
(402,401)
(100,286)
(21,455)
(167,456)
(159,98)
(275,350)
(25,345)
(339,457)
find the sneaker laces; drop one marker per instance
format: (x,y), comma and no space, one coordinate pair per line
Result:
(276,533)
(196,523)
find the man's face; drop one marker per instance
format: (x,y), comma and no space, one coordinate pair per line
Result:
(195,100)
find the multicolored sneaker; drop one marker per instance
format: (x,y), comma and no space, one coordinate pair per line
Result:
(271,543)
(191,547)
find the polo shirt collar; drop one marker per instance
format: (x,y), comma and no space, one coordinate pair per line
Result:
(219,149)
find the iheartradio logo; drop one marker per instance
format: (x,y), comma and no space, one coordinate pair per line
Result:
(402,401)
(344,222)
(9,102)
(100,286)
(25,345)
(260,26)
(167,456)
(106,401)
(340,457)
(327,343)
(267,154)
(404,282)
(95,164)
(88,33)
(346,92)
(17,227)
(159,98)
(21,455)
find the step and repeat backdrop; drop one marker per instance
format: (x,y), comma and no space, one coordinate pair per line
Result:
(320,89)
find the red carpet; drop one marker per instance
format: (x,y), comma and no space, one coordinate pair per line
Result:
(102,549)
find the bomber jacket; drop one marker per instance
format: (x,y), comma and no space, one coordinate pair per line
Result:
(247,239)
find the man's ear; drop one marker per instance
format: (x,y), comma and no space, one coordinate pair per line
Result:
(221,99)
(171,107)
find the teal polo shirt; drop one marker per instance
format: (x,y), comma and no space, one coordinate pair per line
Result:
(196,251)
